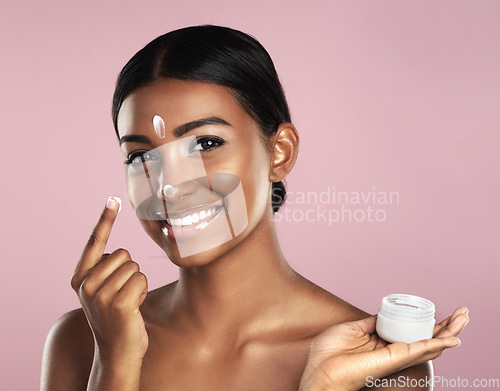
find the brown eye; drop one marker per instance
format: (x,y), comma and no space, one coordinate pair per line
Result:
(208,143)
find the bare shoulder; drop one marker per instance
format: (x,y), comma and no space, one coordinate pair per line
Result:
(68,353)
(324,308)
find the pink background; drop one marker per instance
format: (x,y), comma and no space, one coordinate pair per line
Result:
(400,96)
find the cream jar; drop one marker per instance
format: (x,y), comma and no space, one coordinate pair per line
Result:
(405,318)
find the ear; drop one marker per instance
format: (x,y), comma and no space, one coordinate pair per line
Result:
(285,148)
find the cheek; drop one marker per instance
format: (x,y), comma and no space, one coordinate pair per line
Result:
(131,192)
(154,232)
(150,226)
(129,195)
(255,180)
(250,161)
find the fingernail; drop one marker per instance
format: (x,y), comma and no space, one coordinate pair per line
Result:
(112,202)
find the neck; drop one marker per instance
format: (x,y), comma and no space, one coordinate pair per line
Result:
(234,290)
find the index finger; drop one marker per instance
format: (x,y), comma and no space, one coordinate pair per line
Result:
(367,325)
(96,244)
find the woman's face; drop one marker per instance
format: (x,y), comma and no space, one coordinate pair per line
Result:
(229,147)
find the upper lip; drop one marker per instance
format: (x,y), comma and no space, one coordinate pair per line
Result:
(186,212)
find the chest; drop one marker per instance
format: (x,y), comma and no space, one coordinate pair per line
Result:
(181,365)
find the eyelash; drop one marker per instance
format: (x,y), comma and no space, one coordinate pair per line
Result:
(135,155)
(199,141)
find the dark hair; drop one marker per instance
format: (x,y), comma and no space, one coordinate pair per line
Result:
(218,55)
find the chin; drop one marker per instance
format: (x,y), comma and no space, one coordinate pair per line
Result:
(202,258)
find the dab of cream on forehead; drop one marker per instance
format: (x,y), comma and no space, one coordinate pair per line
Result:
(159,126)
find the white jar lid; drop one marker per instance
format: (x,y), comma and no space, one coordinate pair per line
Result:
(407,306)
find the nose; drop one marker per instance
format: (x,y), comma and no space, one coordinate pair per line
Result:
(169,190)
(172,194)
(174,181)
(180,167)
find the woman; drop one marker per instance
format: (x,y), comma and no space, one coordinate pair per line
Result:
(238,318)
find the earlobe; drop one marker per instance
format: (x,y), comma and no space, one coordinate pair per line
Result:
(285,147)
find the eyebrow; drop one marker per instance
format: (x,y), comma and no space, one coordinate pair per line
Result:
(179,131)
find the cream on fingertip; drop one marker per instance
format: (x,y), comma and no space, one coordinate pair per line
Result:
(112,201)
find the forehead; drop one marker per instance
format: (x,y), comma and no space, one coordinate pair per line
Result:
(178,102)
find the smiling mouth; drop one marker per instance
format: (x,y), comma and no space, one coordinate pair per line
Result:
(188,224)
(198,217)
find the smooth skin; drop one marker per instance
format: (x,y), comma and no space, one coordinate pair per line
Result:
(238,318)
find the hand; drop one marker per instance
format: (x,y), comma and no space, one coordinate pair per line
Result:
(344,355)
(111,289)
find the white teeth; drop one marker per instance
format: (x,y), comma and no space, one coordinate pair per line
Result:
(202,225)
(188,220)
(191,219)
